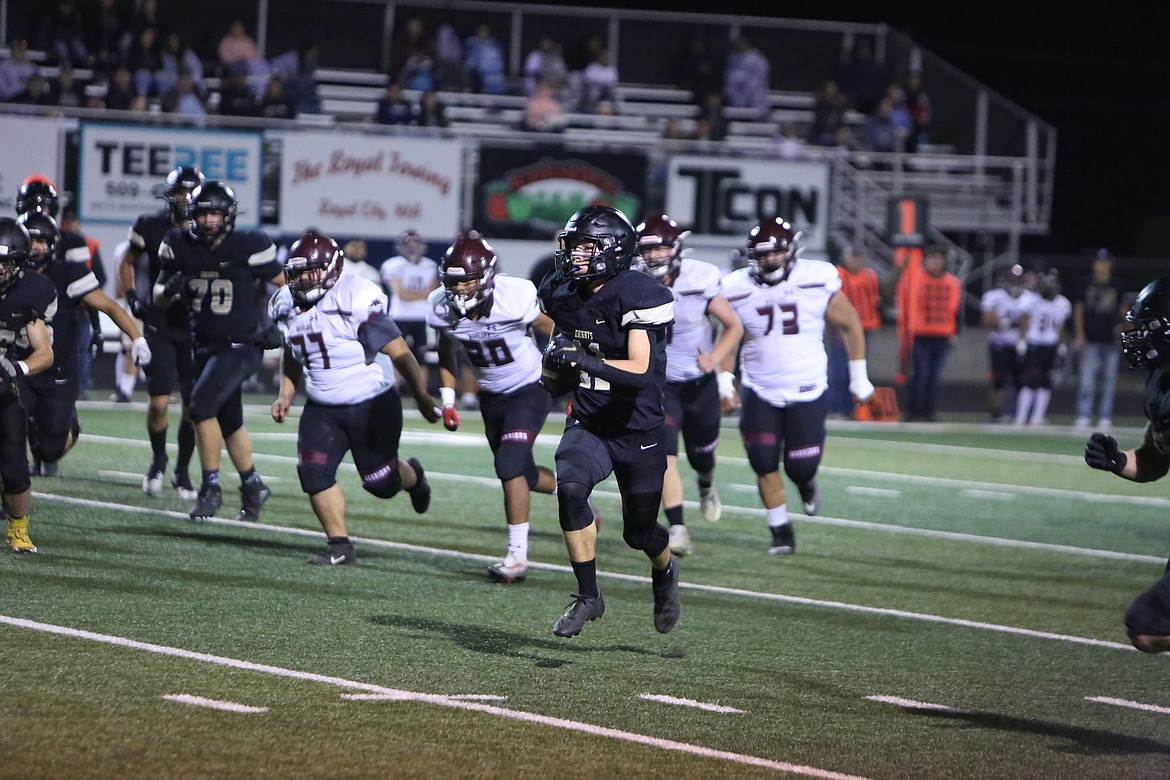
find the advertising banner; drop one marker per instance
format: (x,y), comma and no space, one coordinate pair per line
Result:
(530,194)
(123,167)
(370,186)
(30,146)
(721,198)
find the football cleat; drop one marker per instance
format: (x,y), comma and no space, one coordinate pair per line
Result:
(680,540)
(783,540)
(811,498)
(666,602)
(207,503)
(710,505)
(581,611)
(18,538)
(48,469)
(152,483)
(420,494)
(335,555)
(512,569)
(252,497)
(182,483)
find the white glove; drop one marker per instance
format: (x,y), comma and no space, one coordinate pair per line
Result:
(726,382)
(280,305)
(140,351)
(1021,347)
(859,385)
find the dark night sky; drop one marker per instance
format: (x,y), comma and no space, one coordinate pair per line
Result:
(1098,74)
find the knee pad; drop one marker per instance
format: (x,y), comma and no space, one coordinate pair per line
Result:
(315,477)
(702,459)
(641,529)
(49,446)
(573,506)
(515,460)
(763,452)
(383,483)
(231,418)
(14,472)
(1147,615)
(801,464)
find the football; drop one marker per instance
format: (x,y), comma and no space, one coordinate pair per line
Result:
(558,381)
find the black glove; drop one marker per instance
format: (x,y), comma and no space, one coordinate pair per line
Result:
(562,352)
(95,344)
(1101,453)
(175,285)
(136,305)
(8,374)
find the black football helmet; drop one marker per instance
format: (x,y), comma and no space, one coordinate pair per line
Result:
(40,227)
(661,231)
(15,245)
(613,238)
(212,196)
(1012,280)
(37,193)
(771,237)
(181,182)
(313,266)
(470,258)
(1145,336)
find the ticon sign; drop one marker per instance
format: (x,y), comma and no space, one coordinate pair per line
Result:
(123,168)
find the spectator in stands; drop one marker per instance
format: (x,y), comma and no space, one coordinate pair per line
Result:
(107,35)
(598,80)
(235,96)
(484,58)
(933,319)
(582,52)
(431,111)
(546,63)
(62,32)
(145,16)
(37,92)
(1099,309)
(15,70)
(711,123)
(696,69)
(900,114)
(121,91)
(543,113)
(67,92)
(674,130)
(859,284)
(745,81)
(145,60)
(789,145)
(299,68)
(355,252)
(393,108)
(175,57)
(828,114)
(410,43)
(880,134)
(449,74)
(862,79)
(237,47)
(276,103)
(918,104)
(185,97)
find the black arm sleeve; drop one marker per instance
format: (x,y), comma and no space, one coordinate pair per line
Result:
(616,376)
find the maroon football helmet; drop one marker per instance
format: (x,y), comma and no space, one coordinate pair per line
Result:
(313,266)
(468,259)
(772,237)
(661,231)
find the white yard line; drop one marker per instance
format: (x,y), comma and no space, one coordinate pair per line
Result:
(432,698)
(214,704)
(1133,705)
(857,490)
(990,495)
(911,704)
(699,705)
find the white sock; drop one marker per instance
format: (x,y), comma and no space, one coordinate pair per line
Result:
(1023,404)
(518,540)
(1040,407)
(778,516)
(126,383)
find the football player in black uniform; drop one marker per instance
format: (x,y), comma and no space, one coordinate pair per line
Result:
(1145,341)
(611,346)
(215,270)
(167,333)
(50,398)
(26,301)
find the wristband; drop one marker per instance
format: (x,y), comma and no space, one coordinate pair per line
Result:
(23,367)
(857,369)
(447,394)
(726,382)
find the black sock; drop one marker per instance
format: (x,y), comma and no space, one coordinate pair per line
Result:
(249,476)
(660,576)
(586,574)
(186,446)
(674,514)
(704,485)
(211,477)
(158,445)
(335,540)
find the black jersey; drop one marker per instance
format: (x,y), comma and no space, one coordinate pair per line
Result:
(600,324)
(146,235)
(222,295)
(1157,408)
(33,297)
(72,276)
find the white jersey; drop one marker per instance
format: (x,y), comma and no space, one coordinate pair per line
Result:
(338,369)
(696,285)
(1046,320)
(783,358)
(415,277)
(363,269)
(1007,310)
(497,343)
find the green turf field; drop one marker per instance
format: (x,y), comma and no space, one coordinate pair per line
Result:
(955,612)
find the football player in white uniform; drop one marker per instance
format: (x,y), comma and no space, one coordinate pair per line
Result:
(490,316)
(409,278)
(691,397)
(1002,307)
(784,303)
(338,335)
(1041,340)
